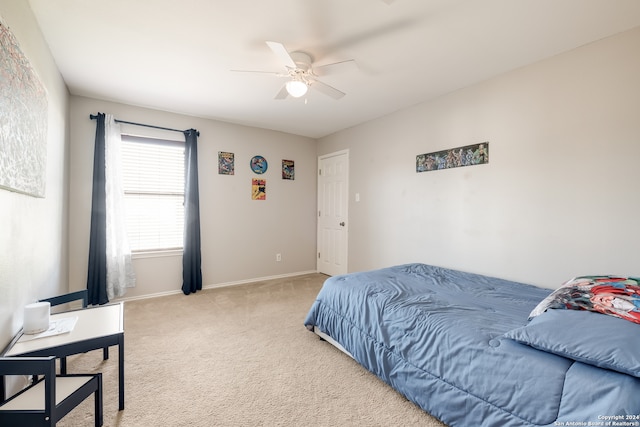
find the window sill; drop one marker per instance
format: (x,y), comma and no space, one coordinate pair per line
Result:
(156,254)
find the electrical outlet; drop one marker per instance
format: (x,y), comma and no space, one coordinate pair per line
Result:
(278,257)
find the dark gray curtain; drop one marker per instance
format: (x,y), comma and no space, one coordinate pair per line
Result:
(191,258)
(97,274)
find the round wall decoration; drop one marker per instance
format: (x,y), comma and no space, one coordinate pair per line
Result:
(259,164)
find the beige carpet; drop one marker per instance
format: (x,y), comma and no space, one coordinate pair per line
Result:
(237,356)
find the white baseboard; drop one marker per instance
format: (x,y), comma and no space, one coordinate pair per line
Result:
(261,279)
(218,285)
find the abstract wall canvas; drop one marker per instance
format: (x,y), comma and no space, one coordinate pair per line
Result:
(23,121)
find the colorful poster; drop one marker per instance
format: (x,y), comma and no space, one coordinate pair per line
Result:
(259,165)
(288,169)
(225,163)
(258,189)
(476,154)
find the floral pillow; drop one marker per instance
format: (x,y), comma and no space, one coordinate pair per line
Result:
(615,296)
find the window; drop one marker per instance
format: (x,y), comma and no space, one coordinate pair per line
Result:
(153,181)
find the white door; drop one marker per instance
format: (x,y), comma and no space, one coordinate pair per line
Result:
(333,200)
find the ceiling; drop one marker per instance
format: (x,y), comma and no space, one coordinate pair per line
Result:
(178,56)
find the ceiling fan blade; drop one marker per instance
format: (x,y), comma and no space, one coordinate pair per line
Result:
(283,94)
(326,89)
(327,69)
(282,54)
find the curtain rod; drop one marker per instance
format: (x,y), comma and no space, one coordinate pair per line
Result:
(94,117)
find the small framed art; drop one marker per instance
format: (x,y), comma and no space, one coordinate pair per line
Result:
(225,163)
(288,169)
(259,164)
(258,189)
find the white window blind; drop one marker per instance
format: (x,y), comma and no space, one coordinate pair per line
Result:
(153,181)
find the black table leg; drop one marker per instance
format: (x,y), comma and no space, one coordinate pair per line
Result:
(121,371)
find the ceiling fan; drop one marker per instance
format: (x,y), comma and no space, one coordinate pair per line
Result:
(298,68)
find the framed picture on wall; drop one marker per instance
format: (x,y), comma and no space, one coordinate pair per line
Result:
(469,155)
(225,163)
(288,169)
(258,189)
(258,164)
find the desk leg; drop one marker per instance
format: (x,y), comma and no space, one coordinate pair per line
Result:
(121,371)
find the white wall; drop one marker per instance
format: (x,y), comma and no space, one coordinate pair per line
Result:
(560,196)
(240,236)
(33,242)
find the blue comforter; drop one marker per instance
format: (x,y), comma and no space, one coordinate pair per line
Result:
(436,336)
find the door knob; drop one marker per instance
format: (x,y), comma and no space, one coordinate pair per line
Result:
(342,224)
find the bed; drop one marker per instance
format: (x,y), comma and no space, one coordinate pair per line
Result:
(462,346)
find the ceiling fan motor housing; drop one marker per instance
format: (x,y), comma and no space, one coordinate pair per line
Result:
(302,60)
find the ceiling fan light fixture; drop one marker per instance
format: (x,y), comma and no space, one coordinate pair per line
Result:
(296,88)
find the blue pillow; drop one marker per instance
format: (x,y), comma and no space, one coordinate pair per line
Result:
(593,338)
